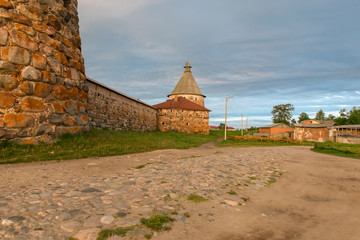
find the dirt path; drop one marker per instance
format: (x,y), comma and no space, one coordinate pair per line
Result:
(317,198)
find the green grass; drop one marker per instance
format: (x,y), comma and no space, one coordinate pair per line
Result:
(253,143)
(196,198)
(106,233)
(187,214)
(100,143)
(156,222)
(338,149)
(167,197)
(231,192)
(271,181)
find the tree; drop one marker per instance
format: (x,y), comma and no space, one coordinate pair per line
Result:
(350,117)
(222,126)
(303,117)
(342,120)
(343,113)
(331,117)
(282,113)
(293,121)
(320,115)
(354,116)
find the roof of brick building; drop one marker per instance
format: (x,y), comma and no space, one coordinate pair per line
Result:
(187,83)
(180,103)
(316,124)
(276,124)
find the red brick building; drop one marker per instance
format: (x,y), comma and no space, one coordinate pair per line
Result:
(185,110)
(276,130)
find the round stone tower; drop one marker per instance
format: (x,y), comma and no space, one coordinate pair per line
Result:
(188,88)
(42,74)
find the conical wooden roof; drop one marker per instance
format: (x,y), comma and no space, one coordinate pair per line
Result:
(180,103)
(187,83)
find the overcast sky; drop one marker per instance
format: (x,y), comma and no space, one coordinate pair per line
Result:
(263,52)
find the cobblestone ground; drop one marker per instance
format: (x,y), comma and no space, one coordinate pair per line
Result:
(81,205)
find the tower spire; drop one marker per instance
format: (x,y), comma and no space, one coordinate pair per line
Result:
(187,66)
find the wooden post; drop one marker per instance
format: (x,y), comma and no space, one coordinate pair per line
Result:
(225,117)
(242,132)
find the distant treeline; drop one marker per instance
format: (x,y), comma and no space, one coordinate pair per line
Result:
(282,114)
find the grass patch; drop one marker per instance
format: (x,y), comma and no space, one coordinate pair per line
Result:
(106,233)
(338,149)
(245,199)
(271,181)
(187,214)
(71,238)
(231,192)
(100,143)
(148,236)
(140,166)
(167,197)
(156,222)
(196,198)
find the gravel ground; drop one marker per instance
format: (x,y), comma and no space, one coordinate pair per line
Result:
(252,193)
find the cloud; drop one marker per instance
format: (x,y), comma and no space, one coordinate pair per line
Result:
(262,52)
(238,118)
(111,9)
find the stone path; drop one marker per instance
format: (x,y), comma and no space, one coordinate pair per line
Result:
(80,205)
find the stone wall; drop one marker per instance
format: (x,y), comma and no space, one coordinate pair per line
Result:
(42,75)
(183,121)
(348,140)
(114,110)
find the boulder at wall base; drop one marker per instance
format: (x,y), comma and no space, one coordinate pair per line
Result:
(26,141)
(19,120)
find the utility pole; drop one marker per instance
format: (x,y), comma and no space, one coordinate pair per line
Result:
(242,125)
(247,119)
(226,100)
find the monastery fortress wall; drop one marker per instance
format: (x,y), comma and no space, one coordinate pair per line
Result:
(109,108)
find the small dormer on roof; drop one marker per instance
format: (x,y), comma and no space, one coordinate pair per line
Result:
(187,84)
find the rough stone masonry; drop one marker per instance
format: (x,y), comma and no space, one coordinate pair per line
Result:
(42,75)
